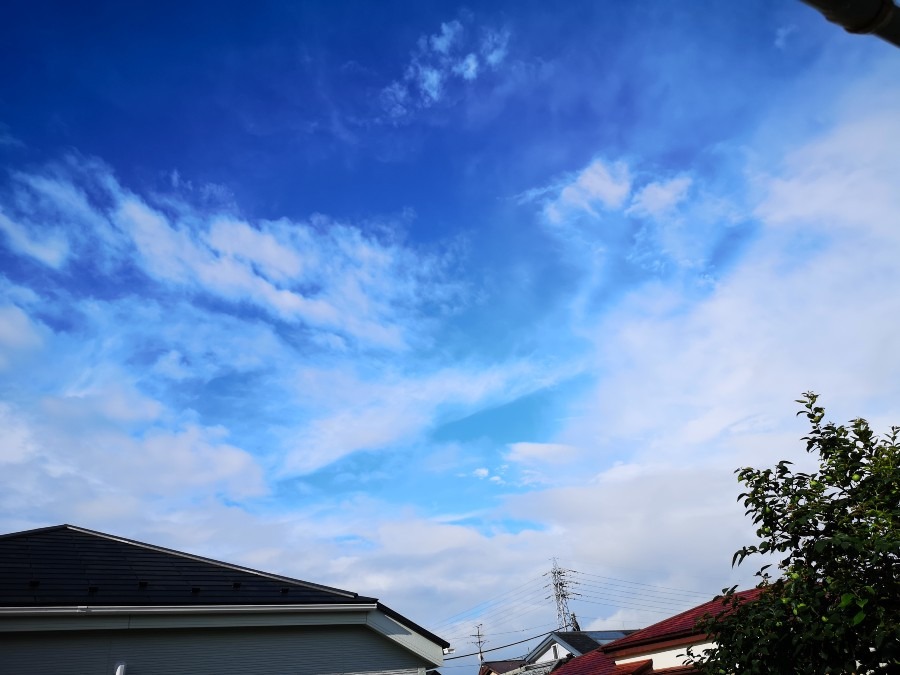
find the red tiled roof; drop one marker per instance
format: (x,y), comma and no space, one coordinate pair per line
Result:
(592,663)
(598,663)
(680,625)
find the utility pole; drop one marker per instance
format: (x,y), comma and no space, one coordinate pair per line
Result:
(479,642)
(561,594)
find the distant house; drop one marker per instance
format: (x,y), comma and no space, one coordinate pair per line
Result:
(542,668)
(561,644)
(655,649)
(77,601)
(553,650)
(500,667)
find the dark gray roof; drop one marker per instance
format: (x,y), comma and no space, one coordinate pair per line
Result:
(587,640)
(503,666)
(581,642)
(70,566)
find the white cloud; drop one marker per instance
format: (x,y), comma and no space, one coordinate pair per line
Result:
(541,453)
(449,35)
(839,180)
(659,198)
(368,289)
(16,442)
(18,334)
(395,99)
(692,384)
(269,251)
(467,68)
(388,409)
(782,35)
(494,46)
(52,249)
(600,184)
(439,65)
(78,446)
(481,472)
(431,83)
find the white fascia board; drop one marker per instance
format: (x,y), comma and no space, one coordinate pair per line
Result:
(185,609)
(405,637)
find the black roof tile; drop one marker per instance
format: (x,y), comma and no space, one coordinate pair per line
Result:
(71,566)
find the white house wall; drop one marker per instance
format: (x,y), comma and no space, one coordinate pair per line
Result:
(547,655)
(666,658)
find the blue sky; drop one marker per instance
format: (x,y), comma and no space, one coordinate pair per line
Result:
(409,298)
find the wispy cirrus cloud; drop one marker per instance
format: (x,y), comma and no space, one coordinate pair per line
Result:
(363,287)
(48,246)
(600,185)
(457,55)
(659,197)
(388,408)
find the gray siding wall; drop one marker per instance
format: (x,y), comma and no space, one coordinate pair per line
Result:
(298,650)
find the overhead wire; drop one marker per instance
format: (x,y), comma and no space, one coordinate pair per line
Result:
(530,601)
(628,595)
(483,605)
(511,644)
(465,632)
(525,603)
(512,605)
(638,583)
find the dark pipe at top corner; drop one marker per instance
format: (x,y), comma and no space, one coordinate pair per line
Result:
(878,17)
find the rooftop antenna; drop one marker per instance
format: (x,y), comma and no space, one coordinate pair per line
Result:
(479,642)
(575,625)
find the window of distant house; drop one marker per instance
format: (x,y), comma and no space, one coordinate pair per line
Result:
(555,652)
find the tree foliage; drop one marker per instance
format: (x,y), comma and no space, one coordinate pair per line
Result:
(834,605)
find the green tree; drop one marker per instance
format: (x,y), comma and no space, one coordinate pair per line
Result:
(834,606)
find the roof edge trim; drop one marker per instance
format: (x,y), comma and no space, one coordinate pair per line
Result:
(184,609)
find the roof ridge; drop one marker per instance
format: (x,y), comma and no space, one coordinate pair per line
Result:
(188,556)
(35,530)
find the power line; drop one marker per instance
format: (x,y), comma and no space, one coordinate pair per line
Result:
(522,630)
(505,616)
(484,605)
(624,606)
(493,649)
(491,632)
(632,595)
(529,602)
(638,583)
